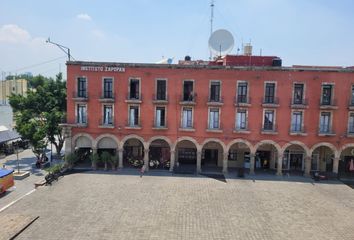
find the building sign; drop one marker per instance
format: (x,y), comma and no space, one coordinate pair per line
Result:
(102,69)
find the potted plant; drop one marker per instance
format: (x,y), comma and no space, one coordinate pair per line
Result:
(70,160)
(95,158)
(106,158)
(114,162)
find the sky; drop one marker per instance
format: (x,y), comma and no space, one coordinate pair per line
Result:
(301,32)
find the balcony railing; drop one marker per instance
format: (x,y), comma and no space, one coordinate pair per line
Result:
(351,103)
(156,126)
(103,123)
(325,130)
(81,95)
(271,128)
(299,102)
(296,129)
(326,102)
(219,100)
(270,101)
(134,97)
(215,128)
(107,97)
(242,100)
(159,99)
(191,99)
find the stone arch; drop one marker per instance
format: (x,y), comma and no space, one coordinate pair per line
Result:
(180,139)
(301,144)
(325,144)
(238,140)
(276,145)
(344,147)
(166,139)
(208,140)
(86,139)
(110,136)
(131,136)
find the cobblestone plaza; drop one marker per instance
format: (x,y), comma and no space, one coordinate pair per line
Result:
(119,206)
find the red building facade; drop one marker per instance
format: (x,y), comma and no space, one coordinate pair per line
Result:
(212,117)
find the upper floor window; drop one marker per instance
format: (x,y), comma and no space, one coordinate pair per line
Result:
(214,118)
(325,121)
(187,117)
(268,123)
(241,119)
(107,115)
(352,97)
(161,90)
(108,88)
(134,116)
(298,93)
(81,87)
(134,89)
(188,94)
(326,94)
(81,114)
(296,121)
(242,92)
(214,91)
(351,123)
(160,118)
(269,96)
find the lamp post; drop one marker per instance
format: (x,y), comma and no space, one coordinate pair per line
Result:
(51,151)
(18,161)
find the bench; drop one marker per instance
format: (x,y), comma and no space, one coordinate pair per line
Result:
(40,183)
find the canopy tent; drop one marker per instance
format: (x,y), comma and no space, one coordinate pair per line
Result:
(8,135)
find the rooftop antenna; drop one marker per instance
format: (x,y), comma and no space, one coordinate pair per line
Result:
(63,48)
(211,21)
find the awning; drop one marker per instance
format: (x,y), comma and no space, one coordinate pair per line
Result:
(8,135)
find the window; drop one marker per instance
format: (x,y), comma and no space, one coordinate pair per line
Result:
(108,88)
(161,90)
(241,119)
(242,92)
(188,94)
(81,87)
(296,121)
(298,93)
(325,121)
(352,99)
(81,114)
(351,123)
(107,115)
(269,93)
(268,120)
(134,89)
(187,117)
(326,94)
(214,118)
(214,92)
(133,116)
(160,117)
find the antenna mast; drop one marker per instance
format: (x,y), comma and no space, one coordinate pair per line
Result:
(211,21)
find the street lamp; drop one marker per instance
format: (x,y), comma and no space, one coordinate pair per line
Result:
(63,48)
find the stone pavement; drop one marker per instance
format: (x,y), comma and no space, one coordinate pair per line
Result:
(113,205)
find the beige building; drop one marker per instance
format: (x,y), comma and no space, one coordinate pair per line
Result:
(15,86)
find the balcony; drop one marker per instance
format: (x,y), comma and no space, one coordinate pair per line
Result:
(215,130)
(350,132)
(270,102)
(134,98)
(325,130)
(296,130)
(188,100)
(103,124)
(107,97)
(80,96)
(156,99)
(216,101)
(271,129)
(133,126)
(242,101)
(243,130)
(299,103)
(351,104)
(328,103)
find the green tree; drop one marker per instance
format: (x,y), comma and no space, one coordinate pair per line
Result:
(39,114)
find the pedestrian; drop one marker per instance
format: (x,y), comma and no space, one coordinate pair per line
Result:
(142,170)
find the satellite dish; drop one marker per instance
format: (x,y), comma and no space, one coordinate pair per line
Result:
(221,42)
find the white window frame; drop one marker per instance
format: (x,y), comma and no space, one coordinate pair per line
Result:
(220,84)
(332,91)
(237,128)
(103,90)
(302,121)
(303,92)
(209,118)
(161,79)
(77,85)
(129,115)
(156,119)
(103,114)
(77,118)
(248,89)
(329,123)
(275,91)
(182,118)
(274,119)
(129,81)
(350,124)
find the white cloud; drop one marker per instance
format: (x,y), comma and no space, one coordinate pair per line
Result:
(84,16)
(12,33)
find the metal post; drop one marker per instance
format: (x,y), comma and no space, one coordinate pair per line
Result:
(18,161)
(51,151)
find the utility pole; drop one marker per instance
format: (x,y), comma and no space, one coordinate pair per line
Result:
(211,22)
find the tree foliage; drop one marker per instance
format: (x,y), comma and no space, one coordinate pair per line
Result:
(39,114)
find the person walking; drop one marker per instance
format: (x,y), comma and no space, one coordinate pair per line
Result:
(142,170)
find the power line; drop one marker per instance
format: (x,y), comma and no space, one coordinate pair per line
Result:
(38,64)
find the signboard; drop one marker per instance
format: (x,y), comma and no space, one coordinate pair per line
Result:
(102,69)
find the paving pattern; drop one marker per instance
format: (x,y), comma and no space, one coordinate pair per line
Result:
(121,206)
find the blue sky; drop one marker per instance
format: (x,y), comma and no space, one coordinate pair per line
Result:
(301,32)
